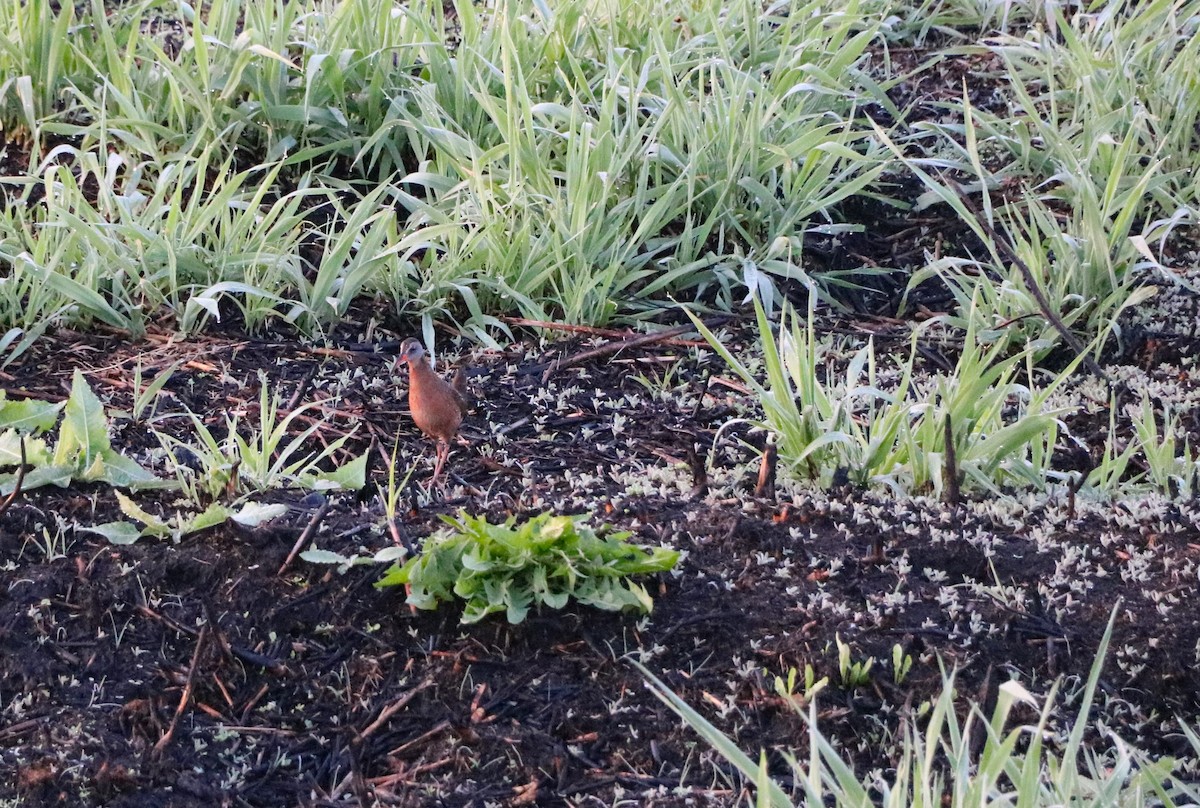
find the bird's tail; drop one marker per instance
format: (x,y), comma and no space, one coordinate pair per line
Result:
(461,392)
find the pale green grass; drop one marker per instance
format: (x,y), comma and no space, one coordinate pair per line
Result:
(580,160)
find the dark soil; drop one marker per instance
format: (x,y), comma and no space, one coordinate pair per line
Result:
(313,688)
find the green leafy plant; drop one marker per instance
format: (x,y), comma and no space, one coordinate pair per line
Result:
(146,394)
(251,514)
(901,664)
(895,435)
(388,555)
(269,456)
(511,568)
(83,451)
(1079,266)
(558,162)
(1172,469)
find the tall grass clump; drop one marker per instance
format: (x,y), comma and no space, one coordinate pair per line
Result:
(589,169)
(578,161)
(1075,190)
(1045,265)
(978,426)
(1109,97)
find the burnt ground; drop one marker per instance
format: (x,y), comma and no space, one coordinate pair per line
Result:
(312,687)
(197,673)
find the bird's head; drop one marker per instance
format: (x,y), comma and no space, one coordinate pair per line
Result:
(411,351)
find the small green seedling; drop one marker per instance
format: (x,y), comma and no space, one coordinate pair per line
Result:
(511,568)
(812,686)
(852,674)
(901,664)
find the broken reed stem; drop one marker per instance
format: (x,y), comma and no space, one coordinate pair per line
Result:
(765,489)
(953,492)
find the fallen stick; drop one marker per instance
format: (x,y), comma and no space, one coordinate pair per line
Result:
(570,328)
(184,698)
(254,658)
(640,341)
(309,530)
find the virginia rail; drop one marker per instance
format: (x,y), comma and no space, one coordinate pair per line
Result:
(437,406)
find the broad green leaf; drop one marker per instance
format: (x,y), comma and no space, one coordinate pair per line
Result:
(83,437)
(556,527)
(324,557)
(397,574)
(93,472)
(42,475)
(118,470)
(29,416)
(36,453)
(389,554)
(153,525)
(116,532)
(212,516)
(350,476)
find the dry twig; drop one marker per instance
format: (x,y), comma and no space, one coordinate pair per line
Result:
(306,535)
(184,697)
(640,341)
(16,492)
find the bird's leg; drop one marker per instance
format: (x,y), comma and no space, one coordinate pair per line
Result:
(443,452)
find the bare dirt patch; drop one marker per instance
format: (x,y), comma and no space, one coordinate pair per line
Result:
(310,688)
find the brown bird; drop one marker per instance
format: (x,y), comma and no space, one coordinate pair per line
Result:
(437,406)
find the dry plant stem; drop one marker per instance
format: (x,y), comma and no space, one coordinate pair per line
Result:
(270,663)
(877,555)
(409,778)
(16,492)
(950,480)
(361,791)
(210,617)
(765,489)
(498,467)
(184,698)
(302,388)
(396,706)
(21,728)
(385,715)
(696,460)
(517,424)
(1073,489)
(400,538)
(611,333)
(1006,249)
(306,535)
(252,702)
(420,739)
(639,341)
